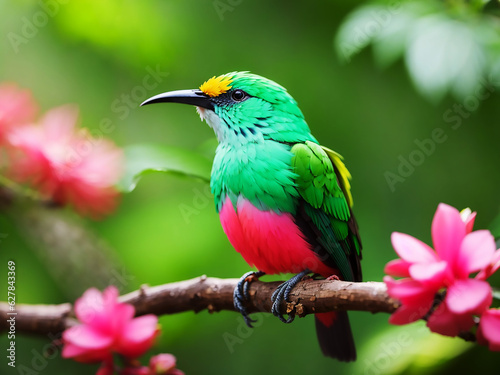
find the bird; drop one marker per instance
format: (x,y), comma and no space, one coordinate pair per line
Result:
(284,201)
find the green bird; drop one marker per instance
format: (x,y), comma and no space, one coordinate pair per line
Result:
(284,201)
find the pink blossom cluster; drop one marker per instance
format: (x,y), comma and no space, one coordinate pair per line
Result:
(159,364)
(60,161)
(447,285)
(107,328)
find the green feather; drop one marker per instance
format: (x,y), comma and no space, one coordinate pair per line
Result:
(329,240)
(267,181)
(327,204)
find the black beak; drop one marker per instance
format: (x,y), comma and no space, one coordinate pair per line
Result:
(193,97)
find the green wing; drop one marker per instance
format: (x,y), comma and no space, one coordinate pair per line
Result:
(323,184)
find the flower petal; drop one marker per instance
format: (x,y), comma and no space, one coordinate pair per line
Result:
(429,272)
(110,295)
(137,336)
(411,249)
(410,292)
(397,267)
(476,252)
(162,363)
(84,355)
(86,337)
(444,322)
(402,288)
(117,315)
(59,123)
(448,232)
(496,260)
(71,350)
(489,329)
(88,305)
(491,268)
(17,107)
(468,217)
(103,311)
(408,314)
(141,328)
(469,296)
(495,263)
(107,368)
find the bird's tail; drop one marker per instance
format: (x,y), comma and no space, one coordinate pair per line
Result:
(335,336)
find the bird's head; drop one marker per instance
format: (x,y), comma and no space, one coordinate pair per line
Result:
(242,107)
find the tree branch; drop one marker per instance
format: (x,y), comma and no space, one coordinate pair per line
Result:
(212,294)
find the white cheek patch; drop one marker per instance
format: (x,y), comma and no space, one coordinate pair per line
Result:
(201,112)
(213,121)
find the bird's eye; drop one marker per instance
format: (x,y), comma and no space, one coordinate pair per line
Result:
(238,95)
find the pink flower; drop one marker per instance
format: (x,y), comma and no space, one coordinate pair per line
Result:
(164,364)
(488,332)
(458,253)
(468,217)
(448,323)
(107,368)
(141,370)
(16,107)
(491,268)
(108,326)
(158,364)
(65,164)
(416,299)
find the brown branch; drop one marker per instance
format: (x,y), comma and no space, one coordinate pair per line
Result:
(212,294)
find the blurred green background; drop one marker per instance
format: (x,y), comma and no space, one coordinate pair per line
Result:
(108,56)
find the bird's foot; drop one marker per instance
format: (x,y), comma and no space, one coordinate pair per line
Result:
(282,293)
(333,277)
(241,294)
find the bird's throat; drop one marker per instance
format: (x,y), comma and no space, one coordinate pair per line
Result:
(201,112)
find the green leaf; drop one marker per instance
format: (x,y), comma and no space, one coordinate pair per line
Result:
(494,227)
(444,55)
(390,43)
(448,48)
(143,159)
(357,31)
(496,293)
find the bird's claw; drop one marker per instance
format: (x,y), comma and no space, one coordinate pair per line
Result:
(282,293)
(241,294)
(333,278)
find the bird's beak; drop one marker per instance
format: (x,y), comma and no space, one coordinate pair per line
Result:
(193,97)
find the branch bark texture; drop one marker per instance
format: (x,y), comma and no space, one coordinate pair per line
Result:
(212,294)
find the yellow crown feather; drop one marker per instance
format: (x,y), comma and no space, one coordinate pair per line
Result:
(216,85)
